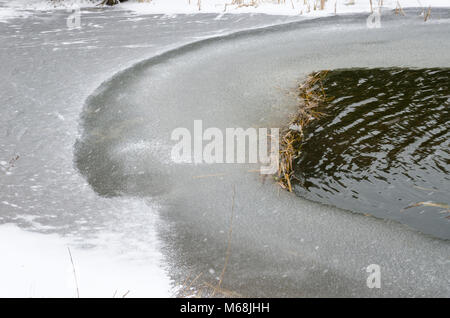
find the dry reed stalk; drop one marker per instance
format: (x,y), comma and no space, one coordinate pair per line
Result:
(74,273)
(240,4)
(398,9)
(428,14)
(311,95)
(186,290)
(322,4)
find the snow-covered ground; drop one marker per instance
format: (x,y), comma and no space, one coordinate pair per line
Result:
(273,7)
(37,265)
(22,8)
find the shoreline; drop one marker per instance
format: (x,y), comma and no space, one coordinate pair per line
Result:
(303,8)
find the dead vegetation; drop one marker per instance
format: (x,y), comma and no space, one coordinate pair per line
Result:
(303,6)
(74,273)
(399,9)
(427,14)
(109,2)
(241,4)
(311,95)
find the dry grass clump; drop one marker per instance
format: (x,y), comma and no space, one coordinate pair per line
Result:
(311,95)
(240,4)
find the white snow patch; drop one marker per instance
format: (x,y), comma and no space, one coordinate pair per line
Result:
(39,265)
(9,13)
(22,8)
(272,7)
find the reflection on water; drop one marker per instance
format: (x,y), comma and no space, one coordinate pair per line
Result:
(382,146)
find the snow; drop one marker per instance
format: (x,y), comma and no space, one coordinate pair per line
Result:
(39,265)
(21,8)
(285,7)
(12,12)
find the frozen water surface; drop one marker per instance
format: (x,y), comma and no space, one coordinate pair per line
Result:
(47,72)
(282,245)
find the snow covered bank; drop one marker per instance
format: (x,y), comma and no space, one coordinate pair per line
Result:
(11,11)
(15,8)
(38,265)
(274,7)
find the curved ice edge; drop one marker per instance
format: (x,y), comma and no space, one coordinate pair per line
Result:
(194,45)
(392,238)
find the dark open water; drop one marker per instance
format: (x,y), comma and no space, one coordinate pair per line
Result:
(382,146)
